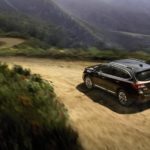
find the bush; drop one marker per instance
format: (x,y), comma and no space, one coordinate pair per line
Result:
(18,69)
(31,117)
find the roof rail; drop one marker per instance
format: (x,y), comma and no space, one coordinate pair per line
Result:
(130,68)
(137,60)
(118,64)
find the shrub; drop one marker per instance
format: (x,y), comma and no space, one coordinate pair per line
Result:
(18,69)
(31,117)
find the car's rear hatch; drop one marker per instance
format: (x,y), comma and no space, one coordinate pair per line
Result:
(144,81)
(147,89)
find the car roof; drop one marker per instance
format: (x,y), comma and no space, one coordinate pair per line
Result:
(132,64)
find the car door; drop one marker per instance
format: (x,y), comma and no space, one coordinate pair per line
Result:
(116,79)
(108,80)
(100,76)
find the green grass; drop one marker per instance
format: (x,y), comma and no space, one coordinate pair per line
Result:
(31,117)
(35,48)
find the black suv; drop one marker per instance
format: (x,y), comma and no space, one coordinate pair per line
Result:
(128,79)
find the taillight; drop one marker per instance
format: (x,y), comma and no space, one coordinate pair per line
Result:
(138,86)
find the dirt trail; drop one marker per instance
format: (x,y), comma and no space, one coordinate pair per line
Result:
(10,42)
(101,122)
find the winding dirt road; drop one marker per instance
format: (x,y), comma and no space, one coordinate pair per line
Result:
(101,122)
(10,42)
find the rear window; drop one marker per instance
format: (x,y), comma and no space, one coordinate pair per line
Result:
(143,76)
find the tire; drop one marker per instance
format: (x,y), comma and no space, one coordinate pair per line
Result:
(123,98)
(88,82)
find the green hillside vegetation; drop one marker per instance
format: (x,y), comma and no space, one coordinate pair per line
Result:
(53,33)
(31,49)
(31,117)
(81,24)
(51,25)
(29,28)
(122,24)
(45,32)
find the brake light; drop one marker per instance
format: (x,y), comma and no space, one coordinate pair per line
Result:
(138,86)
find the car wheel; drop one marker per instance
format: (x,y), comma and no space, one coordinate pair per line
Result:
(88,82)
(123,98)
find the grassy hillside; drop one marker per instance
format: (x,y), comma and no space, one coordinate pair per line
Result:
(125,15)
(44,20)
(31,49)
(76,24)
(31,117)
(110,18)
(93,24)
(29,28)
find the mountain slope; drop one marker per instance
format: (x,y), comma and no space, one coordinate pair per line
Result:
(115,20)
(68,23)
(126,15)
(72,32)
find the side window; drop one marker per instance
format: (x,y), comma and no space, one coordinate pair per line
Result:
(121,73)
(98,68)
(107,70)
(115,72)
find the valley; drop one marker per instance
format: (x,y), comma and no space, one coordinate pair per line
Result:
(75,24)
